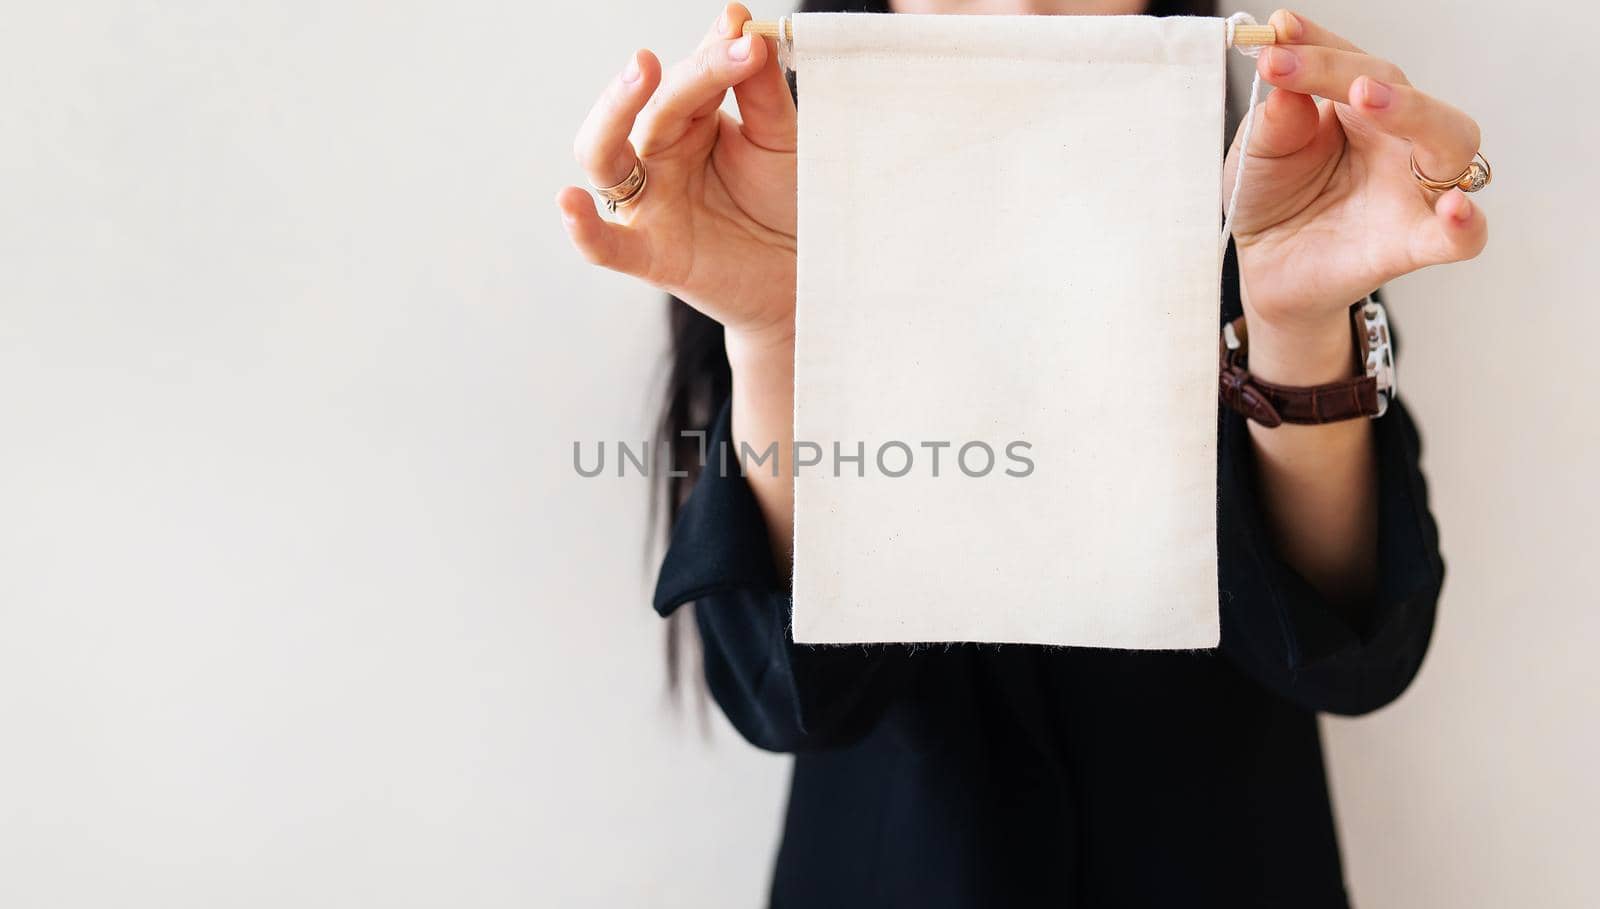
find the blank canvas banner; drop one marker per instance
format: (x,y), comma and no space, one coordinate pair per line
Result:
(1008,244)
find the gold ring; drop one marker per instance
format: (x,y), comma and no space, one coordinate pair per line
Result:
(1475,176)
(626,191)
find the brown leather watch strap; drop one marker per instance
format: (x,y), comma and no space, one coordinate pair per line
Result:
(1271,405)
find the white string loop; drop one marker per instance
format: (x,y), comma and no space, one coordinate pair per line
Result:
(785,46)
(1237,19)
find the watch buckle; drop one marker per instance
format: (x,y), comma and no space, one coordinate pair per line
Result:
(1377,350)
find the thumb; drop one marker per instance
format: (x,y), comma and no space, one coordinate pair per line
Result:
(1285,123)
(765,105)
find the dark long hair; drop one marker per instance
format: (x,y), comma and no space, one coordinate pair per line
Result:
(699,379)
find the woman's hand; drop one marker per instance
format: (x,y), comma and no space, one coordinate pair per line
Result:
(715,225)
(716,222)
(1329,209)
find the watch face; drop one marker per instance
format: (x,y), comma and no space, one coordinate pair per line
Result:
(1377,351)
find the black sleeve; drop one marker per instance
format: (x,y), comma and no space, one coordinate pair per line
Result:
(1276,627)
(780,695)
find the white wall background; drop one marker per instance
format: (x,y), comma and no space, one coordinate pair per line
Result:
(1479,787)
(301,602)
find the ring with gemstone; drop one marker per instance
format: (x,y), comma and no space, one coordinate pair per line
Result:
(1475,176)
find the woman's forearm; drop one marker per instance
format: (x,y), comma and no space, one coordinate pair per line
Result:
(763,420)
(1318,483)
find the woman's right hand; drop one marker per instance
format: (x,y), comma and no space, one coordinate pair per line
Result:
(715,225)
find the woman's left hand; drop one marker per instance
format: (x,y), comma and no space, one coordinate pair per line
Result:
(1329,209)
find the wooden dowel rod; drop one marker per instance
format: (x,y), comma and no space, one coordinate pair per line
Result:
(1243,35)
(1253,35)
(764,29)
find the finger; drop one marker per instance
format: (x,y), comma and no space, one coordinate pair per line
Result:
(766,107)
(602,147)
(1458,230)
(1443,138)
(1324,71)
(1285,123)
(1293,28)
(696,86)
(613,246)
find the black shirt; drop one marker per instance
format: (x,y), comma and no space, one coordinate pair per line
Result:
(980,775)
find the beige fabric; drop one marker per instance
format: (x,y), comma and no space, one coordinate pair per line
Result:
(1008,232)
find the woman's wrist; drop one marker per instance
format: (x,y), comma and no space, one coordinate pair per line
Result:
(1306,352)
(1299,334)
(763,358)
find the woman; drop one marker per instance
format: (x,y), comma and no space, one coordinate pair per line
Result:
(1001,776)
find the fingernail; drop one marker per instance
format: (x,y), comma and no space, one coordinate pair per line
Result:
(722,23)
(1292,28)
(630,73)
(740,49)
(1375,93)
(1281,62)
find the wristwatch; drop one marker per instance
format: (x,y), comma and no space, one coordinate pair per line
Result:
(1366,395)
